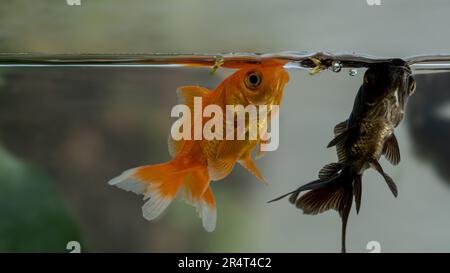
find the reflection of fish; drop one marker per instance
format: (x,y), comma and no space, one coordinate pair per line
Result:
(360,142)
(428,114)
(196,162)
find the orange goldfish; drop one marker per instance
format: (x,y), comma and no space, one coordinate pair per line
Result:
(197,162)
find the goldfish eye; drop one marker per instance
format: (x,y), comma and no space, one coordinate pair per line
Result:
(253,80)
(411,86)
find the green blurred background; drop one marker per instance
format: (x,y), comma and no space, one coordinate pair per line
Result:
(64,132)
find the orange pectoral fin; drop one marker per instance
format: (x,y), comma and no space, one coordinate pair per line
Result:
(248,163)
(260,152)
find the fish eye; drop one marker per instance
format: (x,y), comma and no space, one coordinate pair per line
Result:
(253,80)
(369,76)
(411,86)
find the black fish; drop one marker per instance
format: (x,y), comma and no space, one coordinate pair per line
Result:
(360,141)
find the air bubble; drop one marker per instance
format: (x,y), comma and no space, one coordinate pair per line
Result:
(336,66)
(353,72)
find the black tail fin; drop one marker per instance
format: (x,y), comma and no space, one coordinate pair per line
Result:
(337,195)
(320,199)
(294,194)
(334,193)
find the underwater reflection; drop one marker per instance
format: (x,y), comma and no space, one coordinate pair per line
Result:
(428,119)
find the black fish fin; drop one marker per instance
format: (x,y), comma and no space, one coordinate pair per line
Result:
(341,153)
(391,184)
(329,170)
(326,195)
(340,127)
(294,194)
(323,196)
(320,200)
(333,196)
(357,191)
(342,132)
(309,186)
(341,138)
(338,140)
(344,211)
(391,150)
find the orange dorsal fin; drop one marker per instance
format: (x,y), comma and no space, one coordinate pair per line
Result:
(174,145)
(186,94)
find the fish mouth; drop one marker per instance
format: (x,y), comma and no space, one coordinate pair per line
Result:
(282,75)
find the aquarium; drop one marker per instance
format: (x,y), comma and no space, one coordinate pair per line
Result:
(87,91)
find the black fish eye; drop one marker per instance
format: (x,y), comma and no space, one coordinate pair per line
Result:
(411,86)
(369,76)
(253,80)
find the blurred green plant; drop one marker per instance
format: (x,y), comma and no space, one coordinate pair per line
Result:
(33,217)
